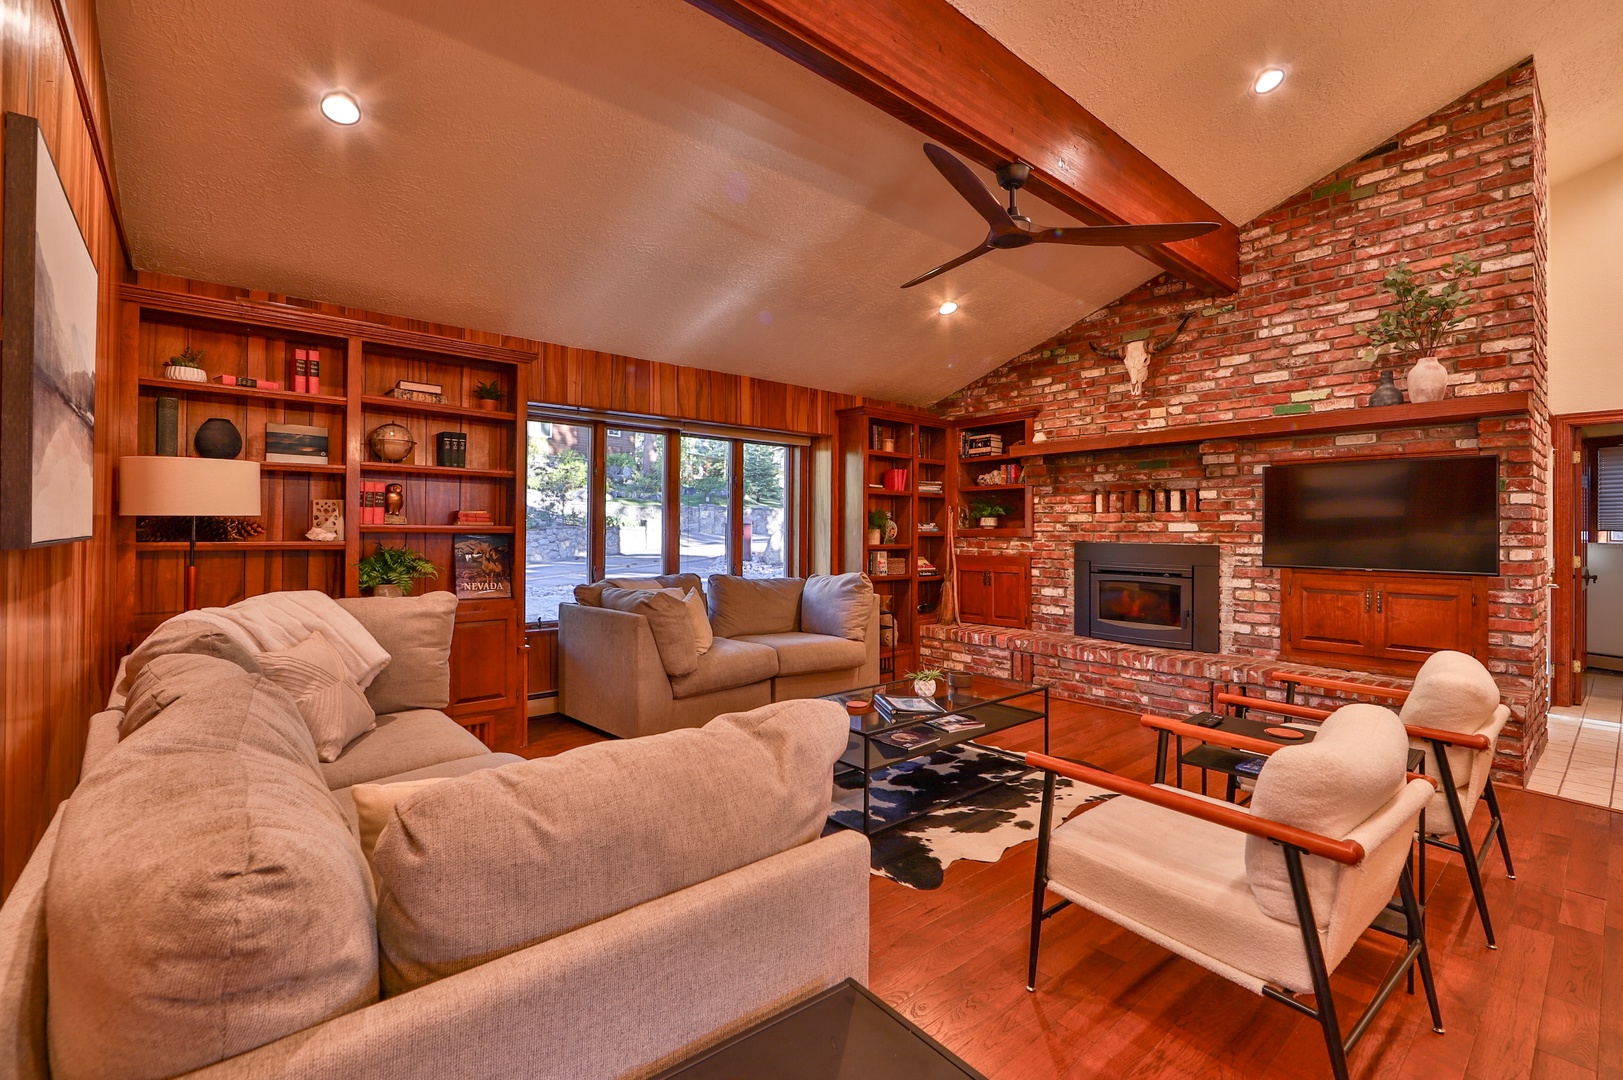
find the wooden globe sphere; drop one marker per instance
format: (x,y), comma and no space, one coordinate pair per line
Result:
(391,442)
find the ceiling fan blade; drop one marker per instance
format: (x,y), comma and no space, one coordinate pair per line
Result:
(1124,235)
(967,184)
(944,267)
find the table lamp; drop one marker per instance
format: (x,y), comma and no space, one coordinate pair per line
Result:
(188,487)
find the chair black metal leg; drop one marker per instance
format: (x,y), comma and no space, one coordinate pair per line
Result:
(1417,933)
(1462,840)
(1504,841)
(1040,884)
(1325,1002)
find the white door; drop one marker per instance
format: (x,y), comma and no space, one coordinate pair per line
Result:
(1606,600)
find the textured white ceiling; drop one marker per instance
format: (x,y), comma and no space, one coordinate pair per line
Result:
(634,176)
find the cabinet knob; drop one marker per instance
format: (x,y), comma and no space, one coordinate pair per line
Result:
(1378,603)
(1366,599)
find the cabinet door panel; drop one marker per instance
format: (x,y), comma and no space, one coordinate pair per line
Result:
(1419,618)
(1327,613)
(994,589)
(487,677)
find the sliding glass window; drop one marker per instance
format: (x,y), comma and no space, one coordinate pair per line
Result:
(608,499)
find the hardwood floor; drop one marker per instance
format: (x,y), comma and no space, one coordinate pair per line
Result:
(1547,1004)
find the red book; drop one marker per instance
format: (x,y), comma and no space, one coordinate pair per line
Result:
(315,373)
(299,372)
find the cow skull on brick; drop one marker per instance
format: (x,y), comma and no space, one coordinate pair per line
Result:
(1136,355)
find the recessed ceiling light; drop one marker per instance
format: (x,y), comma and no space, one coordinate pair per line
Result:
(340,108)
(948,308)
(1269,80)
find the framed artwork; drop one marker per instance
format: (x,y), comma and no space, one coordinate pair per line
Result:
(48,290)
(482,566)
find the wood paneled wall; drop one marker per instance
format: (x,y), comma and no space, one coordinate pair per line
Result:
(57,653)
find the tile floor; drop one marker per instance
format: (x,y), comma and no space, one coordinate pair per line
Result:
(1581,760)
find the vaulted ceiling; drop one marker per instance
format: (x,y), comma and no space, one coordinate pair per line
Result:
(634,176)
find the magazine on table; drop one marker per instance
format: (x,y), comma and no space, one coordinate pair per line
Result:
(911,738)
(955,722)
(907,706)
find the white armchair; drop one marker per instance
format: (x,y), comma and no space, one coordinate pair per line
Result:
(1455,715)
(1272,897)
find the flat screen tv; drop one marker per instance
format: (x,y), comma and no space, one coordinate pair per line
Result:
(1439,515)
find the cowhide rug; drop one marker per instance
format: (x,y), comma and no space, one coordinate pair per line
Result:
(980,827)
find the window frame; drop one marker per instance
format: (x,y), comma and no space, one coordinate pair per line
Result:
(796,459)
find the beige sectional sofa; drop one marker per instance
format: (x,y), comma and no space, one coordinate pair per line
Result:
(628,668)
(203,906)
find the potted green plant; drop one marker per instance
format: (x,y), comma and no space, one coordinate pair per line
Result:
(1423,319)
(488,395)
(186,367)
(924,681)
(877,520)
(393,571)
(986,513)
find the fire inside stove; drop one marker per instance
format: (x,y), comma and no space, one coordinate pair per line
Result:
(1141,603)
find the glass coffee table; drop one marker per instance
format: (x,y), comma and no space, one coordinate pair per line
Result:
(913,779)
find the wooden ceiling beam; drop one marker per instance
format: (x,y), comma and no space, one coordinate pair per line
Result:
(928,65)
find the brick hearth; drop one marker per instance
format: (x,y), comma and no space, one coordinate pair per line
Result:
(1467,179)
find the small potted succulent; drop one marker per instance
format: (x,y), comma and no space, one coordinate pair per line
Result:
(393,571)
(186,367)
(488,395)
(877,520)
(924,681)
(986,513)
(1423,319)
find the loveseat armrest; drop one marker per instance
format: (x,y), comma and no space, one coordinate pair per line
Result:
(610,676)
(637,991)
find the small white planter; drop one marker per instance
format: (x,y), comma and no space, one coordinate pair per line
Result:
(387,590)
(924,687)
(185,374)
(989,523)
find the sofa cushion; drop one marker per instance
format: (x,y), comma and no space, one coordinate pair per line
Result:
(550,845)
(699,618)
(205,895)
(186,633)
(729,663)
(345,796)
(168,678)
(668,621)
(314,676)
(402,742)
(804,654)
(837,605)
(416,633)
(592,595)
(1356,764)
(742,606)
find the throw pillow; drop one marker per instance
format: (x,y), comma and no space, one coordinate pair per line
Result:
(592,595)
(1355,765)
(699,616)
(837,605)
(743,606)
(540,848)
(374,806)
(416,633)
(186,633)
(167,679)
(333,706)
(668,620)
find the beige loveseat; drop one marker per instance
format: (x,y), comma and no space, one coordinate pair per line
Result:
(202,905)
(773,640)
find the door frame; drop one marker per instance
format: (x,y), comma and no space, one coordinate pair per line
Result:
(1568,611)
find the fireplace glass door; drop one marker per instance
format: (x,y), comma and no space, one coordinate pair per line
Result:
(1152,609)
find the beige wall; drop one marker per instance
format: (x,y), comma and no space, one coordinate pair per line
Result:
(1586,291)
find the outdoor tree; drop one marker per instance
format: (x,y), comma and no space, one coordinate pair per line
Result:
(557,483)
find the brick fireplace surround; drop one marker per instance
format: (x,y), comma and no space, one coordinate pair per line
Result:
(1467,179)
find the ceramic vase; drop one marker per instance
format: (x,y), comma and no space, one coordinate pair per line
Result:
(1428,380)
(184,374)
(924,687)
(1386,392)
(892,530)
(988,522)
(217,437)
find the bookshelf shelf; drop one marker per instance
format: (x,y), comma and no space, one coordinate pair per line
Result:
(177,388)
(385,468)
(381,403)
(499,529)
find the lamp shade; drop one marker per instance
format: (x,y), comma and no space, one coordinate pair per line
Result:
(188,487)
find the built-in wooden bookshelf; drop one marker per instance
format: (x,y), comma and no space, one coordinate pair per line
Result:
(1004,470)
(360,364)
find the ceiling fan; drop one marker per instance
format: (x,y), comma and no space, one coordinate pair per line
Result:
(1012,229)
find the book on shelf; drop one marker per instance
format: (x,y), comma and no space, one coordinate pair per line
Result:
(910,738)
(931,487)
(247,383)
(372,502)
(482,566)
(987,445)
(926,568)
(296,444)
(472,517)
(955,722)
(906,706)
(451,449)
(315,372)
(879,563)
(306,371)
(418,396)
(419,387)
(929,527)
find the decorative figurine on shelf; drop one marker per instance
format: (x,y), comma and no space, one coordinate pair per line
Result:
(326,516)
(186,367)
(1424,319)
(394,505)
(391,442)
(217,437)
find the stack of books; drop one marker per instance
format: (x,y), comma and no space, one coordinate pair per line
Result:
(931,487)
(450,448)
(989,445)
(929,527)
(471,517)
(894,707)
(426,392)
(372,502)
(307,371)
(926,568)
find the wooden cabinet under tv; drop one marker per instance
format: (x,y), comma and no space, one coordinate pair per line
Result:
(1380,620)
